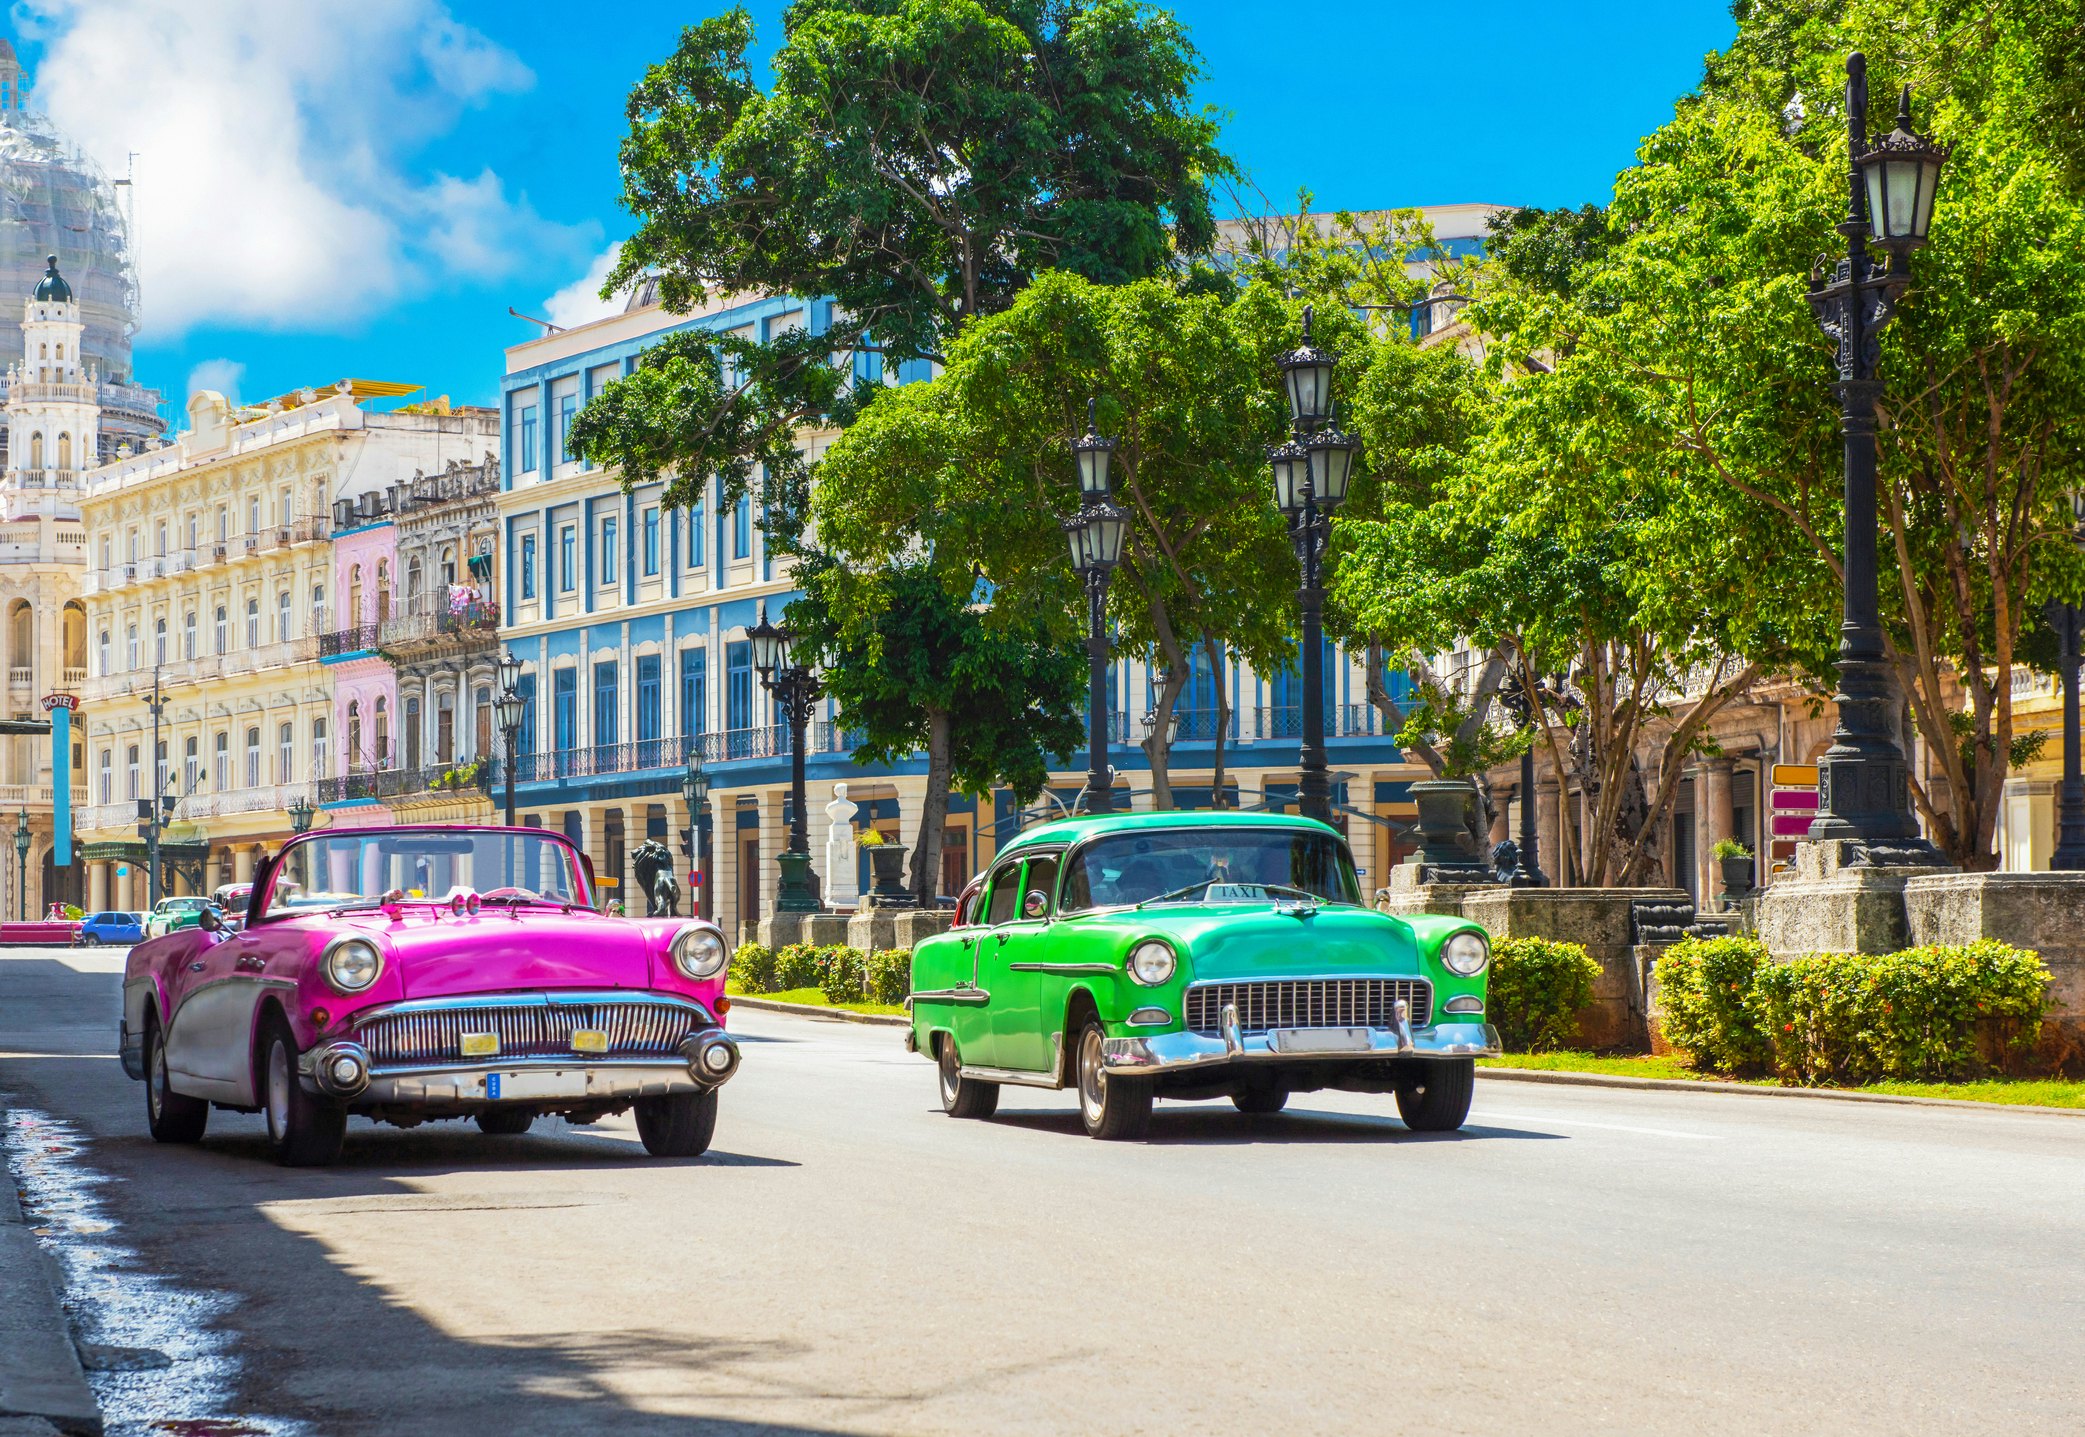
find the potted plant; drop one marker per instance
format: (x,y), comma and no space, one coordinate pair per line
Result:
(1451,826)
(1735,859)
(886,869)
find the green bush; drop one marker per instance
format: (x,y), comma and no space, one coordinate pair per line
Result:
(839,973)
(796,966)
(1706,1002)
(1537,987)
(888,975)
(753,968)
(1919,1015)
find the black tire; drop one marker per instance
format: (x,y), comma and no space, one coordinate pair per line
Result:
(963,1097)
(505,1122)
(1113,1108)
(1261,1102)
(88,940)
(679,1125)
(173,1117)
(304,1129)
(1438,1100)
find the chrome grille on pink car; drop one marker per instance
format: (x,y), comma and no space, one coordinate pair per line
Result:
(1310,1003)
(434,1034)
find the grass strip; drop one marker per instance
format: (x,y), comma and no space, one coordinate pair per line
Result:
(2035,1092)
(815,998)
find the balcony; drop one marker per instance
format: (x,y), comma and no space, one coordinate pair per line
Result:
(436,782)
(74,678)
(265,798)
(476,623)
(362,639)
(19,677)
(1341,721)
(48,478)
(664,754)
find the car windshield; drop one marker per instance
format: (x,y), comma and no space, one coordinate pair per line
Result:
(423,865)
(1209,865)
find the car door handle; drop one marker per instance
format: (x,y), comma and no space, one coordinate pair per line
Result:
(1000,936)
(196,967)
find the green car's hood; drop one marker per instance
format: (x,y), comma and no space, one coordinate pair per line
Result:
(1258,940)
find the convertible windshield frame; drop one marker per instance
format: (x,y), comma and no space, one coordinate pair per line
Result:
(453,842)
(1213,836)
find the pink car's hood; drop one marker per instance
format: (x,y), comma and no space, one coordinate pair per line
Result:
(499,951)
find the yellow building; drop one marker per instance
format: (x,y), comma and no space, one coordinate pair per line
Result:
(209,588)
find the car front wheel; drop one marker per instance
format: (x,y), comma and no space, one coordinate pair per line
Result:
(1260,1101)
(506,1122)
(304,1129)
(963,1097)
(1438,1099)
(1113,1108)
(172,1117)
(679,1125)
(88,940)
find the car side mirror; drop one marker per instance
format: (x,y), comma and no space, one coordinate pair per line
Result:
(1036,905)
(210,921)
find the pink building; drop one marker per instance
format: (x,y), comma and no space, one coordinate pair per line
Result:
(365,686)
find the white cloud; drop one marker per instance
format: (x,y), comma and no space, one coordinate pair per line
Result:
(580,301)
(222,375)
(274,145)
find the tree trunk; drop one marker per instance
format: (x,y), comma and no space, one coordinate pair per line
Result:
(1158,744)
(1223,719)
(933,818)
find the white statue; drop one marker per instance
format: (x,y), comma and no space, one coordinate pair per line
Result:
(840,887)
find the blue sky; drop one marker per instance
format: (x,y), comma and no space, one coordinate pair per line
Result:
(363,190)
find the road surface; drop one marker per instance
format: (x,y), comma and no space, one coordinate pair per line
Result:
(848,1260)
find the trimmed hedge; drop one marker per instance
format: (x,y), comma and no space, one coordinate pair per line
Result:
(1537,987)
(842,974)
(1925,1015)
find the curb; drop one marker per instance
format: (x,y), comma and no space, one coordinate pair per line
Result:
(40,1373)
(1758,1090)
(831,1015)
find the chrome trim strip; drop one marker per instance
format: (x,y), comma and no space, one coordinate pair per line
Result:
(1066,968)
(604,1080)
(1168,1052)
(1020,1077)
(961,997)
(529,997)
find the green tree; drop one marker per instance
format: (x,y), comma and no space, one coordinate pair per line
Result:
(913,667)
(918,162)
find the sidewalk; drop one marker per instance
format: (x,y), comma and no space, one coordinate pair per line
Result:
(42,1388)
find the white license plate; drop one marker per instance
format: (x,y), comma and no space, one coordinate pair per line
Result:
(1319,1040)
(559,1083)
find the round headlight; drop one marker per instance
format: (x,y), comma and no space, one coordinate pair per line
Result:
(1466,954)
(699,953)
(1152,962)
(353,965)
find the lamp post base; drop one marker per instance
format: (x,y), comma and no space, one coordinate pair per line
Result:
(794,893)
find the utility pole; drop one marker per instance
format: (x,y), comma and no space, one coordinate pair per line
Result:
(149,809)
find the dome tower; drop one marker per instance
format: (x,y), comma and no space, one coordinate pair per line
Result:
(53,406)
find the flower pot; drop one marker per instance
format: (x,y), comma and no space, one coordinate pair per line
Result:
(1447,817)
(887,876)
(795,894)
(1737,875)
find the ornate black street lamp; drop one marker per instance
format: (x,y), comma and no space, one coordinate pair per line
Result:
(21,862)
(1527,712)
(507,713)
(796,688)
(1863,782)
(301,813)
(1310,481)
(2069,856)
(695,789)
(1097,533)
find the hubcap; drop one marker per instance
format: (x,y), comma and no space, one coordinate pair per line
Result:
(278,1091)
(1093,1080)
(156,1085)
(951,1072)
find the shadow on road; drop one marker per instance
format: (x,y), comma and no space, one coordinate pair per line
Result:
(1215,1126)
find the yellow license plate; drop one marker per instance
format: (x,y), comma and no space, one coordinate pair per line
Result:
(589,1040)
(480,1045)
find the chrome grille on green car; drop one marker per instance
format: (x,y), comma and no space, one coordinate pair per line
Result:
(1310,1003)
(413,1035)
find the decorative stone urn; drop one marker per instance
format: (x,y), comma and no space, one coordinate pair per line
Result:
(795,893)
(1447,817)
(1737,877)
(887,876)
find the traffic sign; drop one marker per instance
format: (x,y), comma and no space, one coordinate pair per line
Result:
(1795,775)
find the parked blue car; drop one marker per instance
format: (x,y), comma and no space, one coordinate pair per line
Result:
(114,927)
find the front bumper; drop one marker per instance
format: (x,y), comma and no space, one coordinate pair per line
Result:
(1172,1052)
(341,1070)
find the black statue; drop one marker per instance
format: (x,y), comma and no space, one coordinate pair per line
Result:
(653,863)
(1505,863)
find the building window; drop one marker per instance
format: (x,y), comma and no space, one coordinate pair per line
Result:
(318,749)
(567,559)
(188,635)
(318,608)
(694,714)
(286,753)
(222,630)
(738,688)
(191,766)
(525,732)
(159,768)
(525,438)
(564,709)
(648,705)
(445,727)
(695,535)
(130,646)
(742,528)
(159,641)
(607,701)
(610,533)
(356,757)
(101,645)
(253,623)
(253,516)
(253,758)
(567,410)
(651,542)
(130,756)
(282,616)
(221,763)
(528,566)
(383,731)
(108,776)
(412,732)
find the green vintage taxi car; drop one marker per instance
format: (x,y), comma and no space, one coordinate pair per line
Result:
(1196,955)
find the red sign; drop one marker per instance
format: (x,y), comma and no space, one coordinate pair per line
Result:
(1792,825)
(1794,798)
(60,701)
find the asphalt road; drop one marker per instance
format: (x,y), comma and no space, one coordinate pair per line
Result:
(848,1260)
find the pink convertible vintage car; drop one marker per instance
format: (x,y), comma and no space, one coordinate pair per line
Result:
(439,972)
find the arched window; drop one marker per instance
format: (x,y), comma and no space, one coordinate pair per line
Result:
(354,732)
(130,756)
(318,749)
(448,565)
(191,765)
(162,528)
(64,450)
(101,652)
(253,623)
(36,451)
(318,608)
(223,636)
(383,731)
(108,776)
(130,646)
(286,753)
(159,641)
(253,516)
(413,594)
(445,727)
(353,617)
(383,590)
(21,635)
(221,762)
(282,616)
(253,758)
(188,635)
(412,732)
